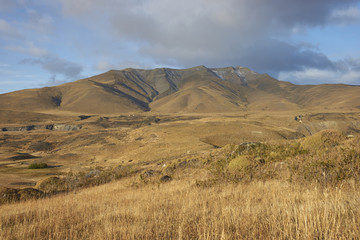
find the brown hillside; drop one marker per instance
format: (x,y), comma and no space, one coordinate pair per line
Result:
(197,89)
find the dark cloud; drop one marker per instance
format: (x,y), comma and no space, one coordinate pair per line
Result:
(230,32)
(220,33)
(56,65)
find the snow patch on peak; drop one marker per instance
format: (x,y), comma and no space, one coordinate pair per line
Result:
(220,74)
(241,74)
(243,70)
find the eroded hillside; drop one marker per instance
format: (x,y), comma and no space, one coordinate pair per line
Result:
(194,90)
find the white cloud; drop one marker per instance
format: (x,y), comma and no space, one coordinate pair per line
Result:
(28,49)
(7,31)
(346,16)
(26,76)
(103,65)
(318,76)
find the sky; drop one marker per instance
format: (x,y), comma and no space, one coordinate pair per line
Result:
(49,42)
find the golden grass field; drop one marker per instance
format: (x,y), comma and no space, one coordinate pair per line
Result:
(290,180)
(181,210)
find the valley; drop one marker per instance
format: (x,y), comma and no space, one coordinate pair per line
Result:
(143,139)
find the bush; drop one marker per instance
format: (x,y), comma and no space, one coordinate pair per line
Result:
(51,185)
(238,163)
(38,165)
(323,141)
(326,158)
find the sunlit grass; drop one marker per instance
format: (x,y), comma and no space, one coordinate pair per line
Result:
(305,189)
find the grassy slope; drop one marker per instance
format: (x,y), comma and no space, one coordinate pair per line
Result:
(196,89)
(179,210)
(130,139)
(298,190)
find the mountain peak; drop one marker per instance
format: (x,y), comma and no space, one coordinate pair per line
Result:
(197,89)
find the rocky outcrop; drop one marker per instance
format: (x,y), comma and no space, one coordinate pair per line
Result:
(55,127)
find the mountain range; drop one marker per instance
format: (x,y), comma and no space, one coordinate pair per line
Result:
(194,90)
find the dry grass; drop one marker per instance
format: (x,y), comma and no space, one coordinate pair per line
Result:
(180,210)
(326,158)
(306,189)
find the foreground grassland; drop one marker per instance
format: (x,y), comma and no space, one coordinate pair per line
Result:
(180,210)
(300,189)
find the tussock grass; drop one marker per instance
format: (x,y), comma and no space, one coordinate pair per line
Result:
(84,179)
(180,210)
(327,158)
(305,189)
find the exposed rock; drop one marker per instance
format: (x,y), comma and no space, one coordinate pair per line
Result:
(299,118)
(165,178)
(65,127)
(93,173)
(56,127)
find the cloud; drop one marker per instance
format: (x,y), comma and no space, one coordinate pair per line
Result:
(7,31)
(56,65)
(319,76)
(346,16)
(41,23)
(48,61)
(344,71)
(29,49)
(103,65)
(6,5)
(217,33)
(53,81)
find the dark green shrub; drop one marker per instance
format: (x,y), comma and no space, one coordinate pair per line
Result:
(38,165)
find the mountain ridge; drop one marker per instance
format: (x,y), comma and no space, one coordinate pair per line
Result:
(194,90)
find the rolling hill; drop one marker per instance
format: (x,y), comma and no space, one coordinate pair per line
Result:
(194,90)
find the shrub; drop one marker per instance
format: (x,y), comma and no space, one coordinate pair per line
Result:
(38,165)
(51,185)
(326,158)
(238,163)
(323,141)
